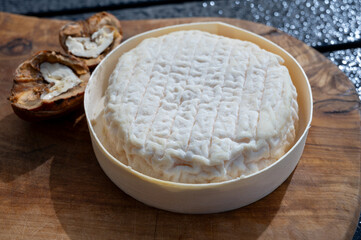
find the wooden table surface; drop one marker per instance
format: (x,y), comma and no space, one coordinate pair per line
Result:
(51,186)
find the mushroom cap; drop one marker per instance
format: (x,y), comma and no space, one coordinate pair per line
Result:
(29,84)
(85,28)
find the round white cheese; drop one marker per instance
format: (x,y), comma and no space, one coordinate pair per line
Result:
(195,107)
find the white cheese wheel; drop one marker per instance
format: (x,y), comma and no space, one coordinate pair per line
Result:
(195,107)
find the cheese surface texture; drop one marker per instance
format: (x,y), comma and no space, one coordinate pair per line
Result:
(195,107)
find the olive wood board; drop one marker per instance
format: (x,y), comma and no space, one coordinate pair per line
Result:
(51,186)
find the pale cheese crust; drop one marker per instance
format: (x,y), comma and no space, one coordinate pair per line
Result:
(195,107)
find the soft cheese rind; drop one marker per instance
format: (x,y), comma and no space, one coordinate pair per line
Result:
(195,107)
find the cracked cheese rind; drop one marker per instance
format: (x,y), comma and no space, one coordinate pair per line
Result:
(195,107)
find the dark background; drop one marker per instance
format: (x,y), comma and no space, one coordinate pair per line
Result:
(333,27)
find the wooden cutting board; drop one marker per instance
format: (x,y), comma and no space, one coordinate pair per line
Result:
(51,186)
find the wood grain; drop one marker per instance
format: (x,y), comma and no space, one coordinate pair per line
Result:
(51,186)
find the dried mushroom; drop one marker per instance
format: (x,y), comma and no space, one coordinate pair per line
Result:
(48,85)
(92,39)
